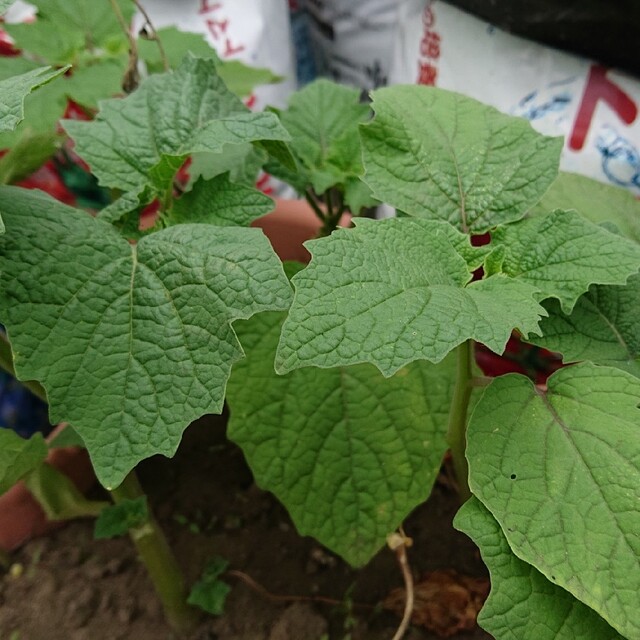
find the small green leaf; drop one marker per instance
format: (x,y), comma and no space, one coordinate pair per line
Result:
(63,29)
(176,44)
(126,204)
(91,83)
(18,456)
(242,79)
(14,90)
(29,153)
(523,604)
(348,452)
(563,254)
(131,342)
(438,155)
(393,291)
(560,472)
(117,519)
(595,201)
(210,593)
(604,327)
(241,161)
(59,498)
(221,202)
(143,139)
(323,121)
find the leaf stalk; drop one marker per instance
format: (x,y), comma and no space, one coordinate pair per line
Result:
(155,553)
(457,429)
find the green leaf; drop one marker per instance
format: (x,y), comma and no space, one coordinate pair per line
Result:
(563,254)
(29,153)
(131,342)
(241,161)
(560,472)
(42,110)
(240,78)
(144,138)
(323,121)
(348,452)
(18,456)
(436,154)
(176,44)
(210,593)
(604,327)
(595,201)
(116,519)
(94,82)
(220,202)
(59,498)
(63,29)
(14,90)
(393,291)
(523,604)
(127,203)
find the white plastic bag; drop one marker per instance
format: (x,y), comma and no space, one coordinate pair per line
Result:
(594,108)
(353,39)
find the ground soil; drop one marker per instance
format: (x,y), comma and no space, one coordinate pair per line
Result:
(69,587)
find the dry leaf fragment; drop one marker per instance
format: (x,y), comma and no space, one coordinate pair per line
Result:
(446,602)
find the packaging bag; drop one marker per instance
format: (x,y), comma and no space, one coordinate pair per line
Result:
(353,40)
(595,108)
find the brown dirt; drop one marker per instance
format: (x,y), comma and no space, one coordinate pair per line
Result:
(74,588)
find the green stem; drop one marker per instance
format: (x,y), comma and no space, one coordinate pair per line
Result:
(314,205)
(6,363)
(160,562)
(457,431)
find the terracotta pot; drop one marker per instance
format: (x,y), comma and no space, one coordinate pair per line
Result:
(21,517)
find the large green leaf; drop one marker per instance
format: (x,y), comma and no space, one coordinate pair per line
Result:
(131,342)
(323,121)
(64,29)
(347,451)
(221,202)
(18,456)
(523,604)
(563,254)
(393,291)
(438,155)
(604,327)
(14,90)
(560,472)
(144,139)
(595,201)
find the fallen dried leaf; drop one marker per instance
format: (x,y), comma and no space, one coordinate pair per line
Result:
(446,602)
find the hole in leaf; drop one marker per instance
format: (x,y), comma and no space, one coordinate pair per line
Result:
(513,476)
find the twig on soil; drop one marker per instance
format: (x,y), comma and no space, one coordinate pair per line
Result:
(399,542)
(252,584)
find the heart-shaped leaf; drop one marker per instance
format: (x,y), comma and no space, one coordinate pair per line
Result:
(560,471)
(131,342)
